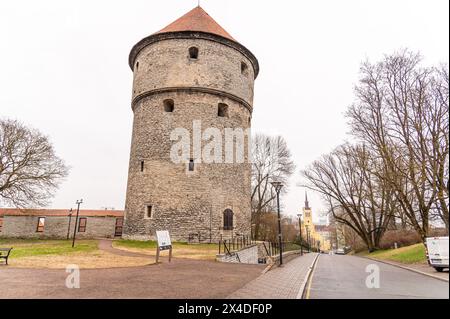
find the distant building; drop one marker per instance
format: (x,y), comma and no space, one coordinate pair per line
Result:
(59,223)
(315,234)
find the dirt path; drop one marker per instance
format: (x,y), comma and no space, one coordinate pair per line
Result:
(106,245)
(182,279)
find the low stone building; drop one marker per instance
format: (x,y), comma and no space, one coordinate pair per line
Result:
(59,223)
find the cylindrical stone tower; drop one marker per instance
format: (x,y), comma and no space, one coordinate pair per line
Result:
(190,77)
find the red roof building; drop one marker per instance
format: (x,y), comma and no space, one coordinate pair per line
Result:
(60,212)
(197,20)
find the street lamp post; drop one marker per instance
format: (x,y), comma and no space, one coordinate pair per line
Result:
(278,186)
(78,203)
(300,227)
(307,238)
(70,220)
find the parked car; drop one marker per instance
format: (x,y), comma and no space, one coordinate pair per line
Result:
(437,252)
(340,251)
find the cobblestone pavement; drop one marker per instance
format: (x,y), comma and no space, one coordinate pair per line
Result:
(279,283)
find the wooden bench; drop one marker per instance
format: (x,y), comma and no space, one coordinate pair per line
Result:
(4,253)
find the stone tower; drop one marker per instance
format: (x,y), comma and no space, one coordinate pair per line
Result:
(307,215)
(191,77)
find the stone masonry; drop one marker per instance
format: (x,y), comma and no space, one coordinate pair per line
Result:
(221,72)
(17,224)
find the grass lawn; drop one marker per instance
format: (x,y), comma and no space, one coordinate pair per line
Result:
(36,253)
(291,246)
(180,250)
(35,247)
(414,254)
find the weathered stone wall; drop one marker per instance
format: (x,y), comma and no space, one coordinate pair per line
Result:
(187,202)
(56,227)
(166,64)
(248,255)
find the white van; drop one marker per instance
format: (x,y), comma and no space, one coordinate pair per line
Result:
(438,252)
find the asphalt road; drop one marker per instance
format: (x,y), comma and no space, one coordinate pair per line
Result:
(344,277)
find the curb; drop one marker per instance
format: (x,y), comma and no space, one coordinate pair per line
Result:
(305,281)
(404,267)
(269,267)
(273,262)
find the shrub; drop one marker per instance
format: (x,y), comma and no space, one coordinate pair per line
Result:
(401,237)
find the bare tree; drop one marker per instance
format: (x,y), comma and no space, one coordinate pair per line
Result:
(356,196)
(271,161)
(29,169)
(402,114)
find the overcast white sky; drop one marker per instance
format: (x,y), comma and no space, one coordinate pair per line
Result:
(64,70)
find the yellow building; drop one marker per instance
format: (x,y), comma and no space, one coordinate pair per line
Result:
(310,234)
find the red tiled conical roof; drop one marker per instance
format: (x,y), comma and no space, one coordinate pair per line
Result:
(197,20)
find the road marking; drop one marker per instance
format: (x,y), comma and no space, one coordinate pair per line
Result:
(308,290)
(301,292)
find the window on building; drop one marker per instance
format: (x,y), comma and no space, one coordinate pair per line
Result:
(40,224)
(119,227)
(169,105)
(191,165)
(149,211)
(222,110)
(142,166)
(244,68)
(137,65)
(193,53)
(1,224)
(82,224)
(228,219)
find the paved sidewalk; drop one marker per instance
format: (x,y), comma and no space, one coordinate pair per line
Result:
(279,283)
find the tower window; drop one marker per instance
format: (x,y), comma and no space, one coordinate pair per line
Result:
(222,110)
(142,166)
(137,65)
(148,211)
(169,105)
(244,68)
(191,165)
(228,219)
(193,53)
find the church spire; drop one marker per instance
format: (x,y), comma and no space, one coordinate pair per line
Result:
(306,200)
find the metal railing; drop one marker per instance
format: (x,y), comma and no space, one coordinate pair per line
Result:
(227,246)
(273,248)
